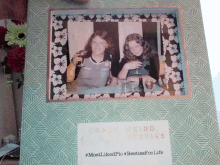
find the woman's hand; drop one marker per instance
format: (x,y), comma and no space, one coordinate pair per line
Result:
(77,57)
(148,79)
(133,65)
(71,69)
(129,66)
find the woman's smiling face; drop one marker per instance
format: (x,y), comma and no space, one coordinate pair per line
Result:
(98,46)
(135,48)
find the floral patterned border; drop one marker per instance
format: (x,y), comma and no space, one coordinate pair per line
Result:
(172,57)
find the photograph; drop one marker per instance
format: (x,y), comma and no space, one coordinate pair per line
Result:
(112,56)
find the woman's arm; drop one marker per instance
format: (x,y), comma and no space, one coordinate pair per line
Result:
(71,69)
(123,73)
(126,66)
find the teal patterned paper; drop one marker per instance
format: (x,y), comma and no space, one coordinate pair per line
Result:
(49,130)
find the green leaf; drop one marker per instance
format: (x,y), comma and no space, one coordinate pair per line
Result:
(9,85)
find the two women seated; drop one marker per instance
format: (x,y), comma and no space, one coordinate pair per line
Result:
(98,69)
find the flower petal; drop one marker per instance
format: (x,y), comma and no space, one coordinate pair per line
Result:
(63,69)
(57,40)
(57,61)
(56,67)
(56,90)
(54,82)
(59,77)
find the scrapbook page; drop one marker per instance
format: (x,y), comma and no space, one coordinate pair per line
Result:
(67,109)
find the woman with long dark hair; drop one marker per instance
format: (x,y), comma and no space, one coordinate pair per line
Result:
(140,60)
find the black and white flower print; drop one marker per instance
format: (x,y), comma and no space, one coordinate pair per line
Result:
(168,72)
(60,92)
(51,73)
(70,17)
(79,18)
(61,37)
(53,18)
(128,18)
(114,20)
(176,62)
(57,24)
(148,94)
(72,96)
(103,18)
(91,16)
(169,22)
(182,88)
(119,15)
(174,38)
(172,31)
(147,15)
(173,34)
(155,17)
(172,48)
(56,51)
(106,18)
(156,93)
(166,93)
(52,44)
(63,17)
(132,18)
(179,62)
(166,43)
(175,76)
(56,79)
(60,64)
(163,17)
(178,88)
(135,18)
(98,18)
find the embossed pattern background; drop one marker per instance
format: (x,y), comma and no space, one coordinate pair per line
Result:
(49,130)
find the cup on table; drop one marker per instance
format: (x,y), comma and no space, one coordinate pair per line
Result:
(123,83)
(127,86)
(132,87)
(149,84)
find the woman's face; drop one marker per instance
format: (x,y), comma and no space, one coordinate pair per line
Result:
(98,45)
(135,48)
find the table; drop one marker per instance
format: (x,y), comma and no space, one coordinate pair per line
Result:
(120,89)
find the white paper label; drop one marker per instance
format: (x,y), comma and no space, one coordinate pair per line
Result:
(124,143)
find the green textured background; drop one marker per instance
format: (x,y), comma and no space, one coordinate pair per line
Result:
(49,130)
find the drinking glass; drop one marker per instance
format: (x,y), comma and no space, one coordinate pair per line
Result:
(149,84)
(123,83)
(137,73)
(81,54)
